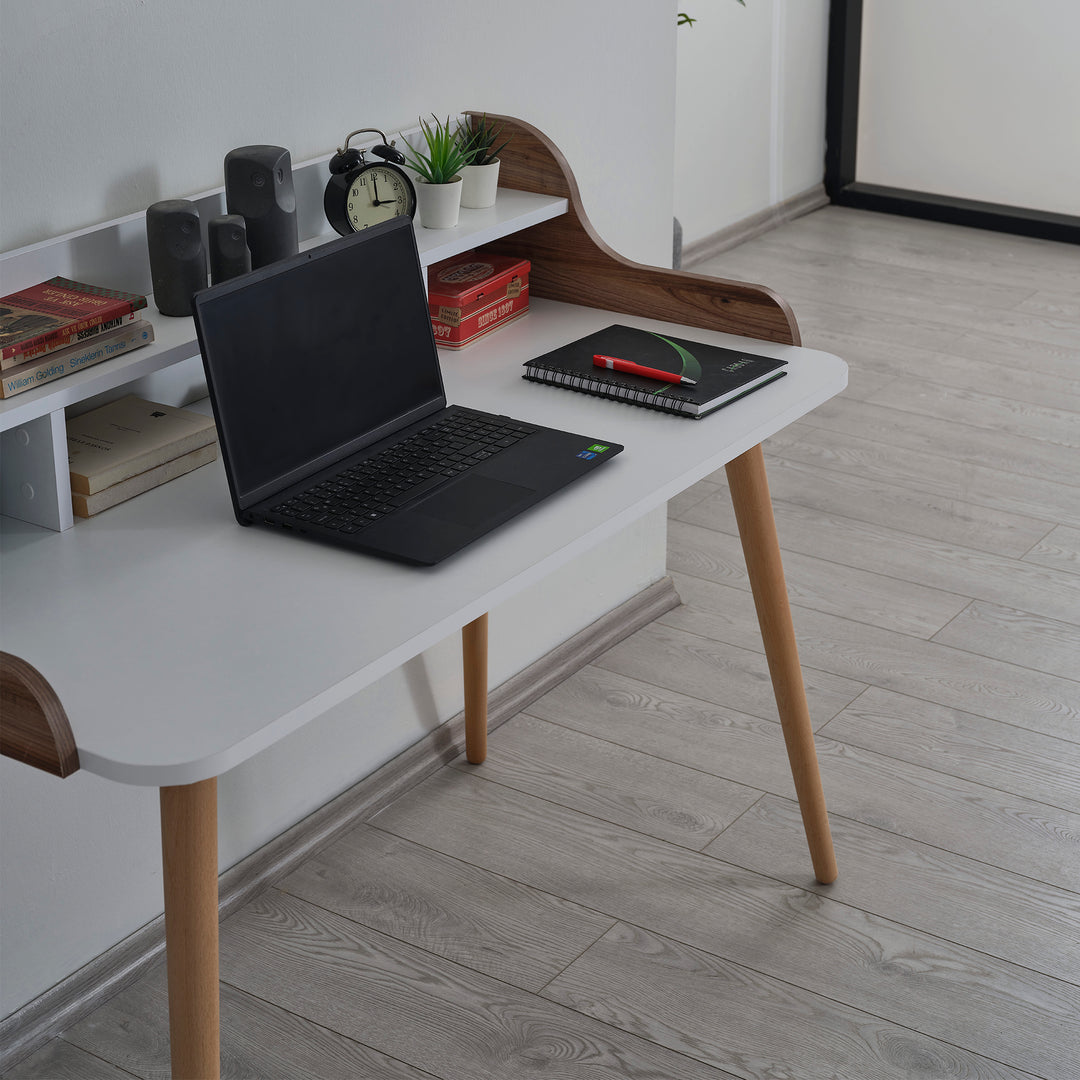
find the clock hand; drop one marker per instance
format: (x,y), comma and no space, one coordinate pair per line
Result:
(375,189)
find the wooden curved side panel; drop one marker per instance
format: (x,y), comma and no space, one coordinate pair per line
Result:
(571,263)
(34,727)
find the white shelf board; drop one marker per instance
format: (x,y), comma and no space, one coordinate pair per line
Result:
(175,338)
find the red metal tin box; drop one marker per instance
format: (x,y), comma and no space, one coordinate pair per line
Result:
(473,293)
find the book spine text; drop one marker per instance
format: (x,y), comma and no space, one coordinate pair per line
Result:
(58,365)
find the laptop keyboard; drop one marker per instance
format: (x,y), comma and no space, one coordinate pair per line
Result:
(369,490)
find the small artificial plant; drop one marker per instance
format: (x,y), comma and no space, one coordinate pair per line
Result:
(445,157)
(479,141)
(685,20)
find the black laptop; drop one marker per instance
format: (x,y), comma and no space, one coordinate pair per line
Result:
(331,414)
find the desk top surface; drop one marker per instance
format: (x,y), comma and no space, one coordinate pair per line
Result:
(182,644)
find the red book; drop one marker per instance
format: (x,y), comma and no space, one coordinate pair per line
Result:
(58,313)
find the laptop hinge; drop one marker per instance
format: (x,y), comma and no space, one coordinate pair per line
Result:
(332,457)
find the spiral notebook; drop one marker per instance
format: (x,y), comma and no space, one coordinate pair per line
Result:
(722,375)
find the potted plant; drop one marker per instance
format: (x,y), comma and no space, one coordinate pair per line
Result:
(438,195)
(481,176)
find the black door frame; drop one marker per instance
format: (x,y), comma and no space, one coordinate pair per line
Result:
(841,139)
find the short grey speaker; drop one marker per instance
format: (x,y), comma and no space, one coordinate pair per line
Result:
(226,237)
(259,187)
(177,257)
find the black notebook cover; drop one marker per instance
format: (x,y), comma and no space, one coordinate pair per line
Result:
(722,375)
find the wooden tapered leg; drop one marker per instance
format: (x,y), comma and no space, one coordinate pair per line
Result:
(757,530)
(189,857)
(474,648)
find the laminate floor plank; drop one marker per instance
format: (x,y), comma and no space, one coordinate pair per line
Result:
(888,290)
(993,414)
(1032,363)
(1042,374)
(816,583)
(1011,493)
(1026,586)
(990,374)
(738,1019)
(670,726)
(963,744)
(950,314)
(59,1060)
(863,380)
(454,910)
(909,243)
(1059,549)
(982,443)
(774,257)
(922,982)
(672,802)
(950,896)
(926,803)
(258,1039)
(1016,637)
(1053,303)
(818,318)
(735,676)
(1005,831)
(866,654)
(444,1019)
(907,509)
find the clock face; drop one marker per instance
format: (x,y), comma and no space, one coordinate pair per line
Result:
(376,194)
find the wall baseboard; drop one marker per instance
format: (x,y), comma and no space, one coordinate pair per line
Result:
(950,210)
(762,222)
(59,1008)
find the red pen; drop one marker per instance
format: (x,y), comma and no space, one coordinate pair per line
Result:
(613,363)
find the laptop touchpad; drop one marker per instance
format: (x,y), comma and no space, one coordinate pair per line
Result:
(473,500)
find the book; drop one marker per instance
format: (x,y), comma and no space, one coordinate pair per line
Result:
(127,437)
(722,375)
(85,506)
(75,357)
(55,314)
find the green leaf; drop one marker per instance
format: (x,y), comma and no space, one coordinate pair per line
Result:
(444,158)
(478,140)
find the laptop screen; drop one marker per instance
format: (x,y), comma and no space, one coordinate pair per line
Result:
(317,356)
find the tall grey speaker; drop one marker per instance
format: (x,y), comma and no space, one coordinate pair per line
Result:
(177,257)
(226,237)
(259,187)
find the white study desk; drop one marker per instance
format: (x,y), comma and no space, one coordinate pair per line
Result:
(238,636)
(180,644)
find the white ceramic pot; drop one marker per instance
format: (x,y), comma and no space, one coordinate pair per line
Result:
(438,204)
(479,184)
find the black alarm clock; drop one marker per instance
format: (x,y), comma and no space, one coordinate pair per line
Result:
(360,193)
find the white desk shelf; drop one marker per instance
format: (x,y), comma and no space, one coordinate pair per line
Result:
(34,483)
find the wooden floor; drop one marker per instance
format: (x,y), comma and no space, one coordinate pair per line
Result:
(623,890)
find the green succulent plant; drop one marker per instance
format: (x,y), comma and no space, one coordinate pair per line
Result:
(479,141)
(445,157)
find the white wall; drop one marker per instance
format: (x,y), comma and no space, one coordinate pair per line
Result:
(109,105)
(976,99)
(750,114)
